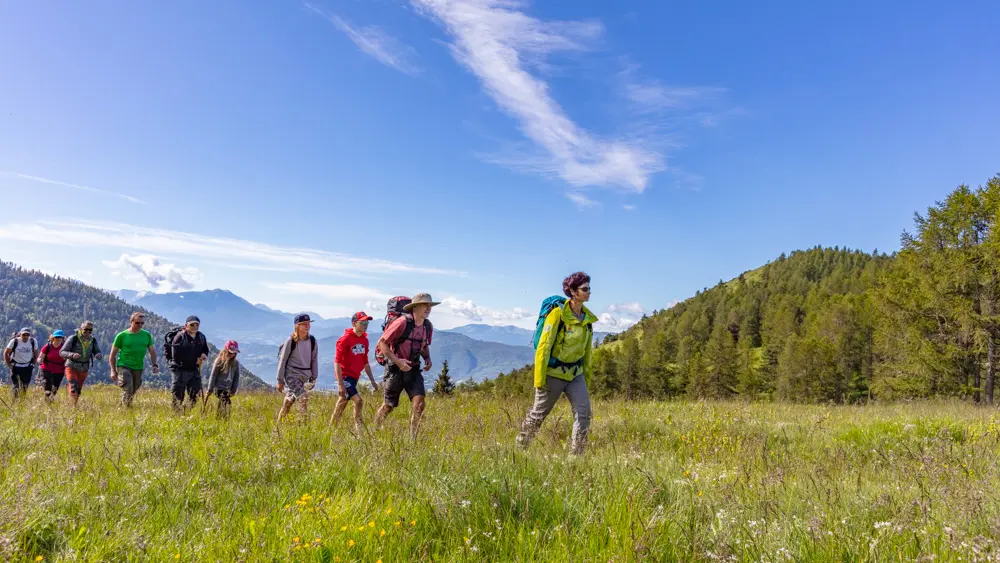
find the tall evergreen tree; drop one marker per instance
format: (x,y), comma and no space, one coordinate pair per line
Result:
(444,385)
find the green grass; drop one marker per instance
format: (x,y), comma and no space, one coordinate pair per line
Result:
(660,482)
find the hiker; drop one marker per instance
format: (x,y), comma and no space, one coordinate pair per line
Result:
(185,352)
(127,359)
(404,342)
(52,365)
(81,351)
(350,358)
(563,351)
(225,377)
(298,366)
(20,355)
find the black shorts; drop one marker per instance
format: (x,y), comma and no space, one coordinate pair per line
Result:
(395,382)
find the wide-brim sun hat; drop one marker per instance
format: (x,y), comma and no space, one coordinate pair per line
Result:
(421,299)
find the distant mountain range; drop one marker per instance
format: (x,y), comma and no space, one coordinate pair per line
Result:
(472,351)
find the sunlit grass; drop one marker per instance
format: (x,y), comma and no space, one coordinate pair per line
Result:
(660,481)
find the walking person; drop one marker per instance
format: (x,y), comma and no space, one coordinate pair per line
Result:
(225,378)
(405,341)
(52,365)
(20,356)
(80,351)
(350,358)
(298,366)
(187,350)
(563,352)
(127,359)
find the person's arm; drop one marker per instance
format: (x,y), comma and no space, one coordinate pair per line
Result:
(286,351)
(588,356)
(41,353)
(8,354)
(112,358)
(315,362)
(368,371)
(545,343)
(426,351)
(403,365)
(67,350)
(236,377)
(393,332)
(216,369)
(204,348)
(97,354)
(152,355)
(339,374)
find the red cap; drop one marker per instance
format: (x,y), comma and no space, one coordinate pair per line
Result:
(232,346)
(360,316)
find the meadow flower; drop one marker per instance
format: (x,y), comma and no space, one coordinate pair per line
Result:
(40,558)
(371,524)
(343,529)
(381,533)
(413,523)
(388,511)
(350,543)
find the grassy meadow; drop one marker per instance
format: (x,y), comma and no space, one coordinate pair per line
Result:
(660,482)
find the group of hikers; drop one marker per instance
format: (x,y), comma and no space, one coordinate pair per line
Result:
(563,344)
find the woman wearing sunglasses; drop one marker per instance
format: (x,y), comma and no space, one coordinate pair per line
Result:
(81,351)
(563,362)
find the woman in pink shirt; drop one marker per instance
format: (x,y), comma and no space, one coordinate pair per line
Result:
(52,365)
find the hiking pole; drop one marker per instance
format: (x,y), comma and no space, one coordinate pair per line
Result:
(204,402)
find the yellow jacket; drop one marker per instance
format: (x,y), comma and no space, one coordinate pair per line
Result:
(565,348)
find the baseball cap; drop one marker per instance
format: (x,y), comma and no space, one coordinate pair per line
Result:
(233,346)
(302,318)
(360,316)
(25,330)
(192,319)
(58,334)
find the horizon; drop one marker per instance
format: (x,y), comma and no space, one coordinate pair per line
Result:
(277,153)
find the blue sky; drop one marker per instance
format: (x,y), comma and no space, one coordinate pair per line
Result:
(322,155)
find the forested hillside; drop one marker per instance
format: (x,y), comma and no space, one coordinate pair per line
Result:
(46,303)
(829,324)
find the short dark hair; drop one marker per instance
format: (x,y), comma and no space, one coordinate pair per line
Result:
(135,316)
(573,282)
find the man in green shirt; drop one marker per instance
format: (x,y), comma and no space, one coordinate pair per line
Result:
(127,357)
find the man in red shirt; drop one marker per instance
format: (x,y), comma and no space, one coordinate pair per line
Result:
(350,358)
(405,341)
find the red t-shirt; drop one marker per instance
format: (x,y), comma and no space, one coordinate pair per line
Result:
(420,337)
(52,362)
(352,353)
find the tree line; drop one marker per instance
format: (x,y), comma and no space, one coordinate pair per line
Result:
(827,324)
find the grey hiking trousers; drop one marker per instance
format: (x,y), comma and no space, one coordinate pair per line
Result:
(545,400)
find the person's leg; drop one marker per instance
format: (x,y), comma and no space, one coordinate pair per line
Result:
(75,381)
(50,385)
(131,381)
(20,378)
(224,403)
(415,391)
(579,399)
(392,387)
(294,392)
(338,410)
(193,385)
(177,388)
(545,399)
(359,423)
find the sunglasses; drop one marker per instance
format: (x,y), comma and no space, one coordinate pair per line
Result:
(194,324)
(88,330)
(585,288)
(140,323)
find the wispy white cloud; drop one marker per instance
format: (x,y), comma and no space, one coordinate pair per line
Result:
(628,207)
(620,316)
(87,234)
(150,271)
(375,42)
(41,180)
(329,291)
(470,311)
(581,200)
(498,42)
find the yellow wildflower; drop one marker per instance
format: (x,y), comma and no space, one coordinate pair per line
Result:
(350,543)
(41,558)
(388,511)
(344,529)
(398,523)
(371,524)
(361,529)
(296,539)
(413,522)
(177,556)
(381,533)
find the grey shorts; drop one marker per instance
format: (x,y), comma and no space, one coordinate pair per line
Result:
(395,382)
(295,387)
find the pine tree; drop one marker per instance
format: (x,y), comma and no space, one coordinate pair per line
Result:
(444,385)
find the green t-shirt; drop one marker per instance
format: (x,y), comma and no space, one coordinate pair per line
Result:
(132,348)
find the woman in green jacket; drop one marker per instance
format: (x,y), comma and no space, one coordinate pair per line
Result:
(563,363)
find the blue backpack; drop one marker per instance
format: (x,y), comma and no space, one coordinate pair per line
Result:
(547,305)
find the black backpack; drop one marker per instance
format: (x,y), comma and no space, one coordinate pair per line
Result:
(168,343)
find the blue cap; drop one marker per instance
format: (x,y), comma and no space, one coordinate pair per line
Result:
(303,318)
(58,334)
